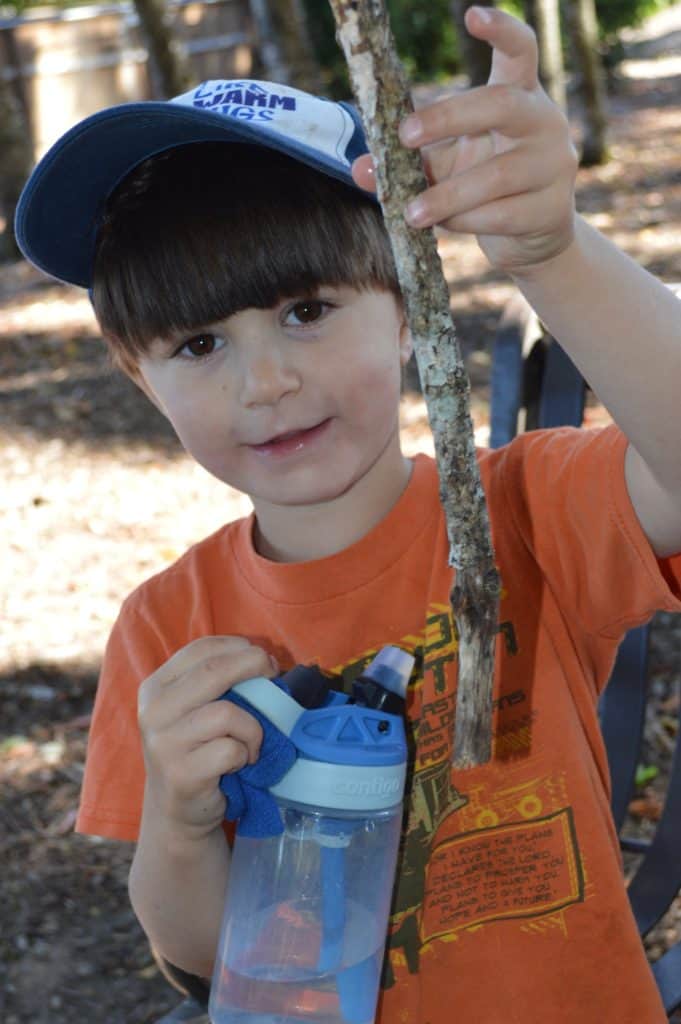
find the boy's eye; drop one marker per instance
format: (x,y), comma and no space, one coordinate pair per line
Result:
(307,312)
(200,345)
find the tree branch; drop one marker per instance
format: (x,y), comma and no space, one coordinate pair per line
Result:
(382,95)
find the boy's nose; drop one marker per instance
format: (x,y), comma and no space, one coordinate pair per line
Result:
(266,379)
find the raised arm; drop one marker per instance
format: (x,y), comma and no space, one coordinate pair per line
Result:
(622,329)
(503,167)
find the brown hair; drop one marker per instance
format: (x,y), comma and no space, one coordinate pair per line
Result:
(203,231)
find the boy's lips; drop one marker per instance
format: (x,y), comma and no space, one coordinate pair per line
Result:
(291,440)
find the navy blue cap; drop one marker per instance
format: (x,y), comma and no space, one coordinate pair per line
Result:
(61,206)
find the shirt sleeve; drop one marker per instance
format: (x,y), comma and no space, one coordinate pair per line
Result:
(566,492)
(113,785)
(671,570)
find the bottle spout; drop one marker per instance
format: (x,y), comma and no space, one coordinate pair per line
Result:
(392,668)
(383,683)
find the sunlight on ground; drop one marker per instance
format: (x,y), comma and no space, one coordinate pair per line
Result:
(660,67)
(22,317)
(114,511)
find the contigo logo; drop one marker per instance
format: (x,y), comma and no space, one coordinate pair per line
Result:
(378,786)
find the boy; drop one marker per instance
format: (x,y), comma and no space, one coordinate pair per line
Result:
(254,301)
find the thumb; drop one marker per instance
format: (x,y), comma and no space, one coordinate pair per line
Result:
(363,172)
(514,46)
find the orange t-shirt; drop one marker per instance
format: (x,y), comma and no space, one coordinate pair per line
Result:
(510,904)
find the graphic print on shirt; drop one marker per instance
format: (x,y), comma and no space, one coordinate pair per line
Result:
(497,852)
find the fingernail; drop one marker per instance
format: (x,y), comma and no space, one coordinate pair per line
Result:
(484,14)
(411,130)
(416,213)
(274,663)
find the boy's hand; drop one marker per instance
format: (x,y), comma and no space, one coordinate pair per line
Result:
(500,158)
(190,737)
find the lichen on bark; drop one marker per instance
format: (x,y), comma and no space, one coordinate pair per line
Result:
(382,95)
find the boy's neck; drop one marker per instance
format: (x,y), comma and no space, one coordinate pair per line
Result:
(295,533)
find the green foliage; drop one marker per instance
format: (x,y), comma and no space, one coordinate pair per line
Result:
(15,8)
(612,14)
(616,14)
(424,32)
(645,773)
(514,7)
(426,37)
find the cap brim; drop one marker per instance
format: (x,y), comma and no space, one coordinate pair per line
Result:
(60,209)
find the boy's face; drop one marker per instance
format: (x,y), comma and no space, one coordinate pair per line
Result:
(291,405)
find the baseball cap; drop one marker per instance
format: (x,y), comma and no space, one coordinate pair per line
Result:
(62,203)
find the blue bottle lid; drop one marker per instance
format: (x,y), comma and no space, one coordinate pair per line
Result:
(350,757)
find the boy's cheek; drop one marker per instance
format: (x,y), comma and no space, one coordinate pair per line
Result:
(147,389)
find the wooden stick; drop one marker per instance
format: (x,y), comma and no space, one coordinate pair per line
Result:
(382,95)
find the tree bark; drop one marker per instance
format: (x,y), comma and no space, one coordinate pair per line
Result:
(476,55)
(170,65)
(284,44)
(382,95)
(583,28)
(16,158)
(544,17)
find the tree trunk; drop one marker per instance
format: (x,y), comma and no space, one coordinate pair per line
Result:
(284,45)
(16,158)
(170,71)
(544,17)
(583,29)
(382,95)
(476,55)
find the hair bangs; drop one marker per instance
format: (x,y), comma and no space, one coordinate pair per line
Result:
(204,231)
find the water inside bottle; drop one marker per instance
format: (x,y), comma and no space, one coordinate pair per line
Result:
(293,972)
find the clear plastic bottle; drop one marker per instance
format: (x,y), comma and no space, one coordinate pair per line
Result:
(305,930)
(305,922)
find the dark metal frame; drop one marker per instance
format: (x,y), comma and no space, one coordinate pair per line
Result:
(534,377)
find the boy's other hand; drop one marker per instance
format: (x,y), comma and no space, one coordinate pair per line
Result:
(499,158)
(190,737)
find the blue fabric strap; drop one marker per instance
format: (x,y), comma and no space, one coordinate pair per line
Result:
(247,790)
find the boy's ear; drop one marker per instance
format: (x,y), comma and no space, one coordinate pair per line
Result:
(406,341)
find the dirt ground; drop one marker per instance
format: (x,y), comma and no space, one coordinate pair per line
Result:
(97,495)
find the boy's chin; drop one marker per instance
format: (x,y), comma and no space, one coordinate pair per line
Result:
(305,497)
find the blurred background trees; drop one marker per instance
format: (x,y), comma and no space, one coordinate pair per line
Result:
(294,41)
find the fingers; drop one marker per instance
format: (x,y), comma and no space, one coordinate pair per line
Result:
(207,763)
(514,46)
(363,173)
(512,103)
(177,712)
(187,657)
(190,737)
(506,175)
(201,672)
(508,216)
(169,746)
(503,108)
(224,719)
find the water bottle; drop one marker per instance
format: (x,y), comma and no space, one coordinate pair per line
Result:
(306,916)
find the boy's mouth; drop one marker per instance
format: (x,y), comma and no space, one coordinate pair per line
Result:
(291,441)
